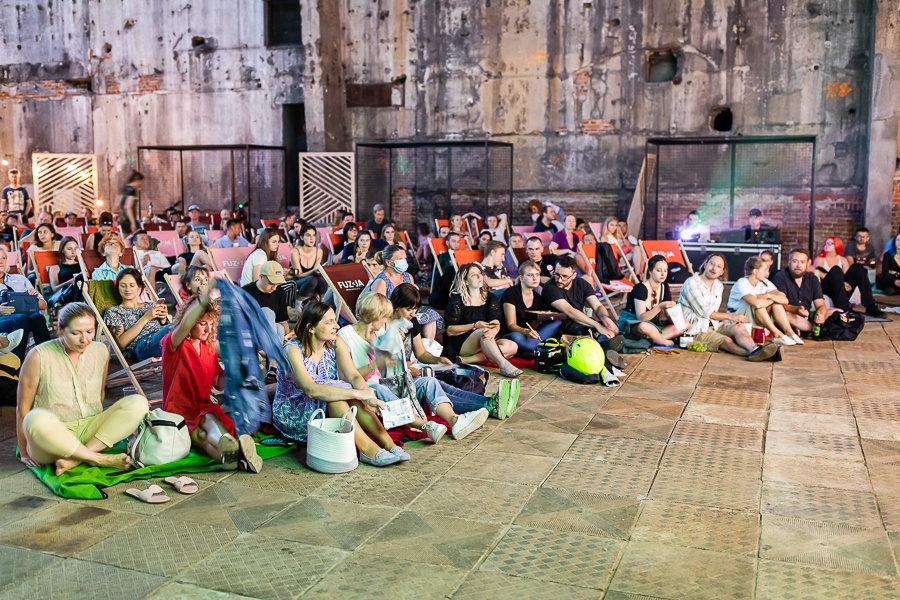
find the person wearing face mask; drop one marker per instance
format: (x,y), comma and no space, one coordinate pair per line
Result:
(396,272)
(374,311)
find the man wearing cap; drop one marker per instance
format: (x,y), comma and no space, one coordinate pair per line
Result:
(756,226)
(376,224)
(71,219)
(195,223)
(269,296)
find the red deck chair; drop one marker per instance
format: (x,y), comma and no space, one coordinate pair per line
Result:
(545,236)
(170,244)
(464,257)
(284,255)
(346,283)
(671,249)
(42,260)
(614,289)
(69,231)
(230,260)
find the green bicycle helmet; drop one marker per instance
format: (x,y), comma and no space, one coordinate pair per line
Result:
(586,356)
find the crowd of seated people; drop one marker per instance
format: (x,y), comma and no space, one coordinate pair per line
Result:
(490,316)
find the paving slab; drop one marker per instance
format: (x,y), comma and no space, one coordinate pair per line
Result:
(14,507)
(644,408)
(485,463)
(19,564)
(661,570)
(630,427)
(185,591)
(713,434)
(626,451)
(878,429)
(9,464)
(526,441)
(847,507)
(727,531)
(77,580)
(659,376)
(885,479)
(602,477)
(482,585)
(711,459)
(816,472)
(724,415)
(881,452)
(370,488)
(838,447)
(717,490)
(568,558)
(653,391)
(738,398)
(806,404)
(805,422)
(778,580)
(546,417)
(230,506)
(581,512)
(474,499)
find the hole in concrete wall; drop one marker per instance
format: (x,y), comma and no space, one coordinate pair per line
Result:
(721,119)
(107,48)
(197,40)
(83,83)
(851,111)
(614,22)
(662,65)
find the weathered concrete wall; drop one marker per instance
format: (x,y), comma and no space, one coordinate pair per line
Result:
(150,83)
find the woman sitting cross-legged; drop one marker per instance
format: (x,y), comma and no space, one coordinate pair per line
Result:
(645,308)
(755,297)
(190,369)
(374,311)
(138,327)
(473,322)
(322,368)
(406,300)
(521,298)
(59,415)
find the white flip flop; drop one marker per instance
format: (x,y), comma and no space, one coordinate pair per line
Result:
(183,485)
(152,495)
(14,339)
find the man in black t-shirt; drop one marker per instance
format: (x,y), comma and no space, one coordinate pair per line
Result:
(377,222)
(269,296)
(803,291)
(569,294)
(15,198)
(534,248)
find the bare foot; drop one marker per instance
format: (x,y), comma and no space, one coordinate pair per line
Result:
(121,462)
(64,464)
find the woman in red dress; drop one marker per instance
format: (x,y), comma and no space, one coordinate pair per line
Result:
(190,368)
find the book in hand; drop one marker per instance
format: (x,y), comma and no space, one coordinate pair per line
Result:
(397,413)
(676,317)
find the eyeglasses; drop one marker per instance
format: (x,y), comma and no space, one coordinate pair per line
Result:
(829,243)
(561,277)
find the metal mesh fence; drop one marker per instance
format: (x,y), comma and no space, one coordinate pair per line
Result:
(214,177)
(723,179)
(419,182)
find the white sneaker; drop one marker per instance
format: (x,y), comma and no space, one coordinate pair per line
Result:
(434,430)
(14,339)
(468,422)
(797,339)
(785,340)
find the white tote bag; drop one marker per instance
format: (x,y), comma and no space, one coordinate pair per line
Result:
(161,438)
(330,444)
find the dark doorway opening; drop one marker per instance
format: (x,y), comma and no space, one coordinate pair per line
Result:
(294,141)
(721,119)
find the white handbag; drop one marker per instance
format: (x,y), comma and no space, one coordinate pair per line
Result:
(161,438)
(330,443)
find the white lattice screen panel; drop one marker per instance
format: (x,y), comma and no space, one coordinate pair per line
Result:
(327,185)
(66,182)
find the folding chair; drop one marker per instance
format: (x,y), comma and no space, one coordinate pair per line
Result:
(322,233)
(99,296)
(438,246)
(41,261)
(630,273)
(268,222)
(83,238)
(438,223)
(230,260)
(464,257)
(524,230)
(90,260)
(346,282)
(607,291)
(672,250)
(333,240)
(597,230)
(170,243)
(213,234)
(12,262)
(69,231)
(545,236)
(174,284)
(284,255)
(148,227)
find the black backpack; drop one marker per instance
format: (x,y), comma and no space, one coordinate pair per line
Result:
(678,273)
(607,266)
(842,326)
(470,378)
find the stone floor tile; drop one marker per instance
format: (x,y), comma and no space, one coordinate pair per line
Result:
(816,472)
(724,415)
(715,490)
(558,557)
(76,580)
(827,545)
(602,477)
(159,546)
(14,507)
(797,422)
(254,566)
(24,483)
(856,509)
(840,407)
(654,391)
(731,532)
(794,377)
(869,367)
(808,387)
(372,488)
(19,564)
(474,499)
(546,417)
(484,463)
(434,460)
(231,506)
(625,451)
(712,459)
(185,591)
(876,429)
(881,452)
(617,595)
(434,539)
(885,479)
(711,434)
(863,393)
(889,382)
(9,464)
(642,408)
(65,529)
(779,580)
(526,441)
(838,447)
(118,500)
(287,474)
(363,577)
(630,427)
(659,376)
(711,378)
(492,586)
(565,510)
(738,398)
(882,409)
(327,522)
(675,572)
(546,402)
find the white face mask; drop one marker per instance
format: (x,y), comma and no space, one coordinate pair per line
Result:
(381,331)
(401,266)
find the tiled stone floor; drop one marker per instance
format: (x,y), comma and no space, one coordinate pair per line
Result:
(702,476)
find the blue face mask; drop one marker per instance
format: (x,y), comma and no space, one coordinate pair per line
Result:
(401,266)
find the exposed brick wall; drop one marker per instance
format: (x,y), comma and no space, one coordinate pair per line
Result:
(149,83)
(597,127)
(54,88)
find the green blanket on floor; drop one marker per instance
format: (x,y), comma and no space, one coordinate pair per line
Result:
(86,482)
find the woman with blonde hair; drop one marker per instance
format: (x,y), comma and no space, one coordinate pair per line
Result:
(473,322)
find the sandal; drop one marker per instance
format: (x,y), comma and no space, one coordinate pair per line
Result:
(512,374)
(183,485)
(231,452)
(250,460)
(152,495)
